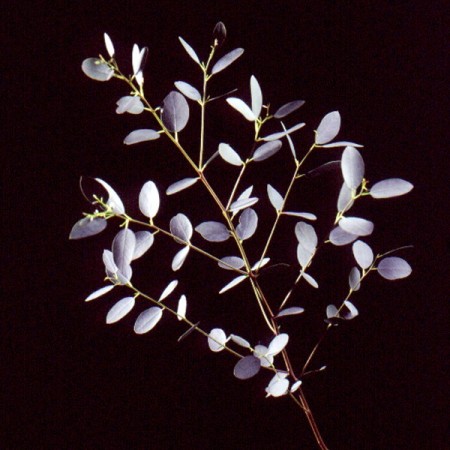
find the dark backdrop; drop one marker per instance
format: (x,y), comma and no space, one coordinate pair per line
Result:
(70,381)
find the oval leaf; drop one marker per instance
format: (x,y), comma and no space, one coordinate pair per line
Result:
(181,227)
(137,136)
(123,247)
(303,215)
(266,150)
(108,260)
(129,104)
(248,222)
(231,262)
(229,155)
(345,200)
(247,367)
(278,386)
(275,198)
(149,199)
(175,114)
(226,60)
(179,258)
(147,320)
(292,311)
(87,227)
(310,280)
(278,344)
(181,185)
(356,226)
(328,128)
(96,69)
(339,237)
(241,107)
(288,108)
(306,235)
(392,187)
(256,95)
(120,310)
(394,268)
(213,231)
(217,339)
(188,91)
(352,166)
(144,240)
(363,254)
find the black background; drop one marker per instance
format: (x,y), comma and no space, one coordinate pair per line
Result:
(69,380)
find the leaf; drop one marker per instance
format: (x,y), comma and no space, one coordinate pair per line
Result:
(188,91)
(341,144)
(280,134)
(96,69)
(240,341)
(247,367)
(392,187)
(87,227)
(303,215)
(295,386)
(108,260)
(217,339)
(138,58)
(142,135)
(306,235)
(226,60)
(241,107)
(277,344)
(233,261)
(234,282)
(109,45)
(349,311)
(266,150)
(288,108)
(248,222)
(175,114)
(345,200)
(354,279)
(394,268)
(260,263)
(114,201)
(363,254)
(291,144)
(256,95)
(328,128)
(246,193)
(129,104)
(168,290)
(356,226)
(188,332)
(99,292)
(213,231)
(120,310)
(144,240)
(123,247)
(189,50)
(310,280)
(275,198)
(147,320)
(328,167)
(261,353)
(292,311)
(242,203)
(181,227)
(179,258)
(278,386)
(332,312)
(181,185)
(149,199)
(182,306)
(352,166)
(339,237)
(229,155)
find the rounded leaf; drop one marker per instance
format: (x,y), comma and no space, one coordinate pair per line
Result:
(306,235)
(328,128)
(234,261)
(356,226)
(147,320)
(339,237)
(120,310)
(96,69)
(188,91)
(181,227)
(123,247)
(277,344)
(213,231)
(129,104)
(363,254)
(217,339)
(247,367)
(394,268)
(240,341)
(352,166)
(149,199)
(392,187)
(175,114)
(248,222)
(278,386)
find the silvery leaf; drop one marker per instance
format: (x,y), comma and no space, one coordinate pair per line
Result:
(99,292)
(143,135)
(291,144)
(242,203)
(303,215)
(109,45)
(87,227)
(392,187)
(394,268)
(226,60)
(356,226)
(260,263)
(304,255)
(175,114)
(352,166)
(328,128)
(147,320)
(217,339)
(168,290)
(213,231)
(295,386)
(256,95)
(149,199)
(96,69)
(233,261)
(144,240)
(339,237)
(354,279)
(181,227)
(306,235)
(310,280)
(181,185)
(234,282)
(246,193)
(240,341)
(108,260)
(247,367)
(288,108)
(345,200)
(120,310)
(229,155)
(278,386)
(292,311)
(114,201)
(179,258)
(266,150)
(182,306)
(189,50)
(280,134)
(332,312)
(277,344)
(129,104)
(248,222)
(341,144)
(241,107)
(188,91)
(363,254)
(349,311)
(123,247)
(275,198)
(138,58)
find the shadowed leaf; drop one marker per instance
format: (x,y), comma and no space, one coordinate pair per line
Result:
(354,279)
(339,237)
(123,247)
(248,222)
(179,258)
(266,150)
(149,199)
(144,240)
(129,104)
(114,201)
(87,227)
(175,114)
(352,166)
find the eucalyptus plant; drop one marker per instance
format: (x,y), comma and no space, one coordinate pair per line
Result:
(239,212)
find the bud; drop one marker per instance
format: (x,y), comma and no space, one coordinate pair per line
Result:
(219,34)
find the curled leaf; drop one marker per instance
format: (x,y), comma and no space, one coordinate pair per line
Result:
(144,240)
(96,69)
(242,203)
(354,279)
(114,201)
(345,200)
(179,258)
(348,311)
